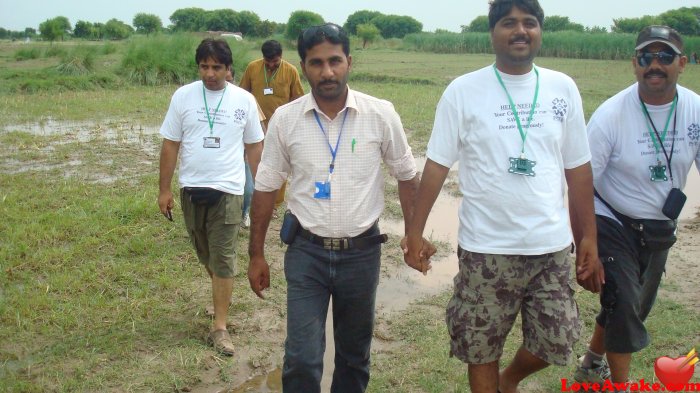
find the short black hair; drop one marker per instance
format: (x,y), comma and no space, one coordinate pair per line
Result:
(315,35)
(271,49)
(216,49)
(500,8)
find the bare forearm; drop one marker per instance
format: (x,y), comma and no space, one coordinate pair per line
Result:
(168,160)
(408,190)
(254,152)
(432,179)
(260,213)
(581,210)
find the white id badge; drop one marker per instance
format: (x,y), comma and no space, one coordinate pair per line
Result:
(267,91)
(212,142)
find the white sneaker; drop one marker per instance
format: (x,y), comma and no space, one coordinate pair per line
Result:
(600,372)
(246,221)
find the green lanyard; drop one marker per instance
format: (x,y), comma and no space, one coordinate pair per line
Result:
(523,134)
(272,78)
(659,140)
(206,108)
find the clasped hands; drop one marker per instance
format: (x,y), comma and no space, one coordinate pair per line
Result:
(417,252)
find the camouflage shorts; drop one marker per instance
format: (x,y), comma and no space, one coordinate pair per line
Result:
(489,292)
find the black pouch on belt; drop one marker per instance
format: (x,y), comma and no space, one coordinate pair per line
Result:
(203,195)
(290,227)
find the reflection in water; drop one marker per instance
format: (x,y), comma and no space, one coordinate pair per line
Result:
(270,383)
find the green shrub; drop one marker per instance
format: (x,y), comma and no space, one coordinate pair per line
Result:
(168,59)
(28,53)
(80,61)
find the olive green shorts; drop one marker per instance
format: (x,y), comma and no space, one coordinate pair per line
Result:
(489,292)
(213,231)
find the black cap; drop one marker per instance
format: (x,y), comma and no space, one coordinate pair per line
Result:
(662,34)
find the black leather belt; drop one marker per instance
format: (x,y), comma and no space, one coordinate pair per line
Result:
(361,241)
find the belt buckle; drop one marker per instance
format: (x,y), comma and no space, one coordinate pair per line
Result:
(334,243)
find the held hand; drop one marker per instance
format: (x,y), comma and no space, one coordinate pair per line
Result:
(259,275)
(417,253)
(166,203)
(589,270)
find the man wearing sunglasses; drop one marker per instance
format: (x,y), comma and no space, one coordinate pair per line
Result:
(643,141)
(330,143)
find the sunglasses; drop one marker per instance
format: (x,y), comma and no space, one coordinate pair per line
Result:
(330,30)
(644,59)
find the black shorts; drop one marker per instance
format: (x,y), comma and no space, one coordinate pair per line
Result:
(632,278)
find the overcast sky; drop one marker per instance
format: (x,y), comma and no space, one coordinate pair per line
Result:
(434,14)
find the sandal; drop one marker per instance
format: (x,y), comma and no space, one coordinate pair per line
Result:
(221,341)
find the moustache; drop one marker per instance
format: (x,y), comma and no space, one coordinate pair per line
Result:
(655,73)
(328,82)
(520,38)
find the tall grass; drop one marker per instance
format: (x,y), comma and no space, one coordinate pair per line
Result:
(569,44)
(79,61)
(166,59)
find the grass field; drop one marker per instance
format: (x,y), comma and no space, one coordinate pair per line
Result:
(99,293)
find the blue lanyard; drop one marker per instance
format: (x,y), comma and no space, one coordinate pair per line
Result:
(334,152)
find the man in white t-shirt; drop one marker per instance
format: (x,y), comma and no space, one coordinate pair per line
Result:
(644,141)
(210,123)
(519,135)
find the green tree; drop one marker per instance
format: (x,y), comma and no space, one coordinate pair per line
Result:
(55,28)
(480,24)
(634,25)
(221,20)
(265,28)
(560,23)
(188,19)
(300,20)
(395,26)
(596,30)
(117,30)
(684,20)
(248,22)
(368,33)
(147,23)
(83,29)
(359,18)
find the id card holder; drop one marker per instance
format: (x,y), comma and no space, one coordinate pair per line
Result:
(267,91)
(658,172)
(521,166)
(323,190)
(212,142)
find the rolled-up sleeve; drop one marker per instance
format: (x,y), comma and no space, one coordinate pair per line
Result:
(397,154)
(274,164)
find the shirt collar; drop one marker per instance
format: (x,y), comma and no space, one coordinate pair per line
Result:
(350,102)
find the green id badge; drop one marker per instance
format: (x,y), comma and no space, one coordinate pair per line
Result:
(658,172)
(522,166)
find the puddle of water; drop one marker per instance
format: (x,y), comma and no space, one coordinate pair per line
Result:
(269,383)
(121,131)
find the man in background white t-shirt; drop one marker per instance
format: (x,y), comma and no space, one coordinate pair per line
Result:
(210,123)
(519,135)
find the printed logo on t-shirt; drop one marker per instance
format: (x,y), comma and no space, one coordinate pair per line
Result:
(559,107)
(694,134)
(239,115)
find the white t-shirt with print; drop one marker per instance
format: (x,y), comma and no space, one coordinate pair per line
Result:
(623,151)
(501,212)
(235,123)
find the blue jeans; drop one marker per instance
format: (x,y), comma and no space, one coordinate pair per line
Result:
(248,189)
(314,275)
